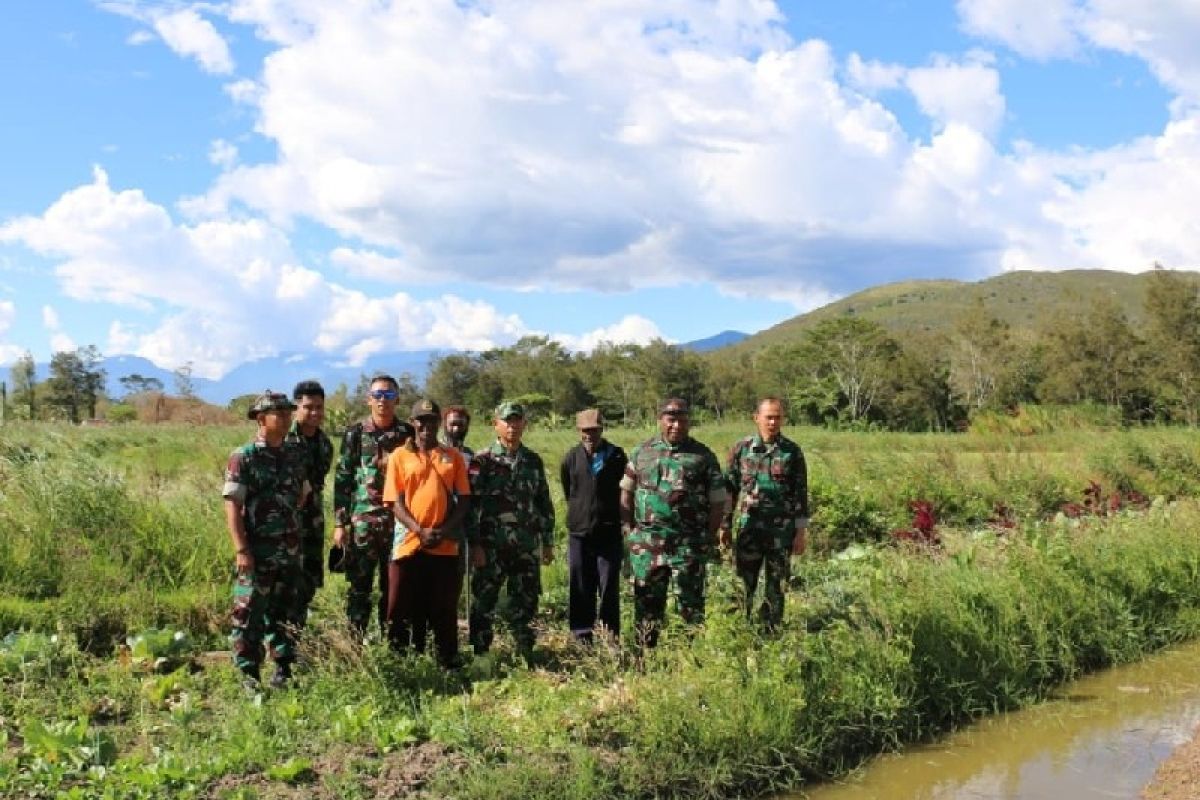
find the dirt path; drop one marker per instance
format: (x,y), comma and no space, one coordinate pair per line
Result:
(1177,778)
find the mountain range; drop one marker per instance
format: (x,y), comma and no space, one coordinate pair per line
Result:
(283,372)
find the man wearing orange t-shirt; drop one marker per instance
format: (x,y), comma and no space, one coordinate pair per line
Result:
(429,493)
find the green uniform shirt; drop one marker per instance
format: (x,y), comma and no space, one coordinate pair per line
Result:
(769,483)
(510,499)
(674,487)
(268,482)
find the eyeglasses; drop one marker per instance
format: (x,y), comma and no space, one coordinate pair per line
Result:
(382,394)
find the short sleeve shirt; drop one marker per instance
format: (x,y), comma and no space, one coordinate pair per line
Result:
(425,481)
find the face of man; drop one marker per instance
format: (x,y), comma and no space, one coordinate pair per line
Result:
(456,426)
(510,430)
(310,413)
(275,423)
(674,427)
(427,431)
(590,438)
(769,419)
(381,399)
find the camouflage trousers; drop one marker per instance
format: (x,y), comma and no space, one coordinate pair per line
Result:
(367,556)
(653,571)
(312,551)
(266,608)
(759,552)
(522,570)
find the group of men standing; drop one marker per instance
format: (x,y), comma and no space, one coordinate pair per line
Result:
(417,512)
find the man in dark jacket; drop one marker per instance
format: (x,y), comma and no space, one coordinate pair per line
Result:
(591,476)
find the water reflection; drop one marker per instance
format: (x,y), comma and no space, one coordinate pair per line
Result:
(1103,737)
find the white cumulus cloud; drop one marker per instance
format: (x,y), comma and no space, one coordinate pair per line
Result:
(630,329)
(228,290)
(191,35)
(9,352)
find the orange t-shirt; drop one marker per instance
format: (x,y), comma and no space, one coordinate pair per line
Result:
(424,481)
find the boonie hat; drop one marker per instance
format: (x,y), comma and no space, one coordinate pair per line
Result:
(675,406)
(270,401)
(588,418)
(509,409)
(425,408)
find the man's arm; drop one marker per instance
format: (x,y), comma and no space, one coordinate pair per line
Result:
(800,497)
(237,535)
(733,479)
(716,498)
(544,509)
(343,486)
(626,509)
(564,475)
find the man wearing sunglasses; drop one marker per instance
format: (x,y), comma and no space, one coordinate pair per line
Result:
(362,520)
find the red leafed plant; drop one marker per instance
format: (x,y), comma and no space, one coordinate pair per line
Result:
(1097,504)
(923,530)
(1002,518)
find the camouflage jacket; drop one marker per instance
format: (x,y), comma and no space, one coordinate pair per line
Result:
(319,453)
(511,504)
(769,484)
(361,468)
(674,488)
(268,482)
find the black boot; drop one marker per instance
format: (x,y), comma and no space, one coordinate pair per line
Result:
(251,679)
(283,674)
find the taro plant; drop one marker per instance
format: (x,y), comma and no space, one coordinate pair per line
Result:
(160,650)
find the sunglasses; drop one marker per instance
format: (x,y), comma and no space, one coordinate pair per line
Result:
(382,394)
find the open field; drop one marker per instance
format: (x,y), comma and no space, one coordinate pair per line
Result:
(110,532)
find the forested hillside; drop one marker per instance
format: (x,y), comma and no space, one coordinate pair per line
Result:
(928,355)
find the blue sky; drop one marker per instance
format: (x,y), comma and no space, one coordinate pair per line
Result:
(215,182)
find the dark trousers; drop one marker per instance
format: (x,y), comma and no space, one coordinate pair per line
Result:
(423,589)
(595,567)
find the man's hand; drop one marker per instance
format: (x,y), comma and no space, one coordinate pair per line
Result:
(547,554)
(430,537)
(245,562)
(339,535)
(478,556)
(800,542)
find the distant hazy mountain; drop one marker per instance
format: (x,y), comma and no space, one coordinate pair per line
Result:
(280,373)
(283,372)
(722,339)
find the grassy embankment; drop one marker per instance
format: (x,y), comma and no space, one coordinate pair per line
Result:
(109,532)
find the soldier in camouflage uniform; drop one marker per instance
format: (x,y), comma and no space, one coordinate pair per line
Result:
(672,503)
(306,432)
(265,487)
(512,516)
(363,523)
(768,484)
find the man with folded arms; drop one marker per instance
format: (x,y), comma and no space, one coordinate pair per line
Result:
(429,493)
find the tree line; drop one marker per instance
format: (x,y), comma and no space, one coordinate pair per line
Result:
(852,372)
(845,372)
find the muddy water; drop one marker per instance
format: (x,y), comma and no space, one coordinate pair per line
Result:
(1101,737)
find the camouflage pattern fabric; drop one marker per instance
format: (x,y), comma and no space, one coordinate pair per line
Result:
(769,481)
(511,518)
(674,487)
(268,482)
(358,506)
(522,570)
(319,457)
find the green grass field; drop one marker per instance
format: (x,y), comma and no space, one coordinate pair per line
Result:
(111,533)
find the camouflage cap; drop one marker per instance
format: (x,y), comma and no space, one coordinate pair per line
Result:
(509,409)
(425,408)
(674,406)
(270,401)
(588,418)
